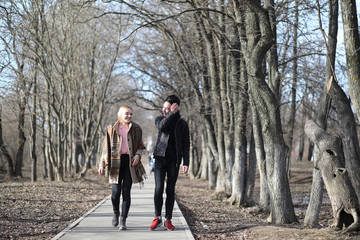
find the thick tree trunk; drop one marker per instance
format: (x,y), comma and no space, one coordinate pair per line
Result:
(331,160)
(225,116)
(264,101)
(239,82)
(194,156)
(352,46)
(239,169)
(21,141)
(343,106)
(219,150)
(212,105)
(350,138)
(205,158)
(264,201)
(310,151)
(251,173)
(316,197)
(4,152)
(315,202)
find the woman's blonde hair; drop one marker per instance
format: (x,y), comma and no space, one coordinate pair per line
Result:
(121,113)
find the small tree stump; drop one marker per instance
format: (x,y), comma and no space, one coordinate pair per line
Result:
(344,202)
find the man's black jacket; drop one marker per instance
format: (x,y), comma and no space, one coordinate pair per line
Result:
(182,137)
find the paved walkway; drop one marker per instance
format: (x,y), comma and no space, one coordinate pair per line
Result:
(96,224)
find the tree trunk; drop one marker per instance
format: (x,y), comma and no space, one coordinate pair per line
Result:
(310,151)
(272,56)
(314,207)
(300,155)
(264,101)
(293,87)
(21,141)
(264,201)
(350,138)
(240,89)
(352,46)
(316,197)
(33,131)
(226,136)
(215,132)
(34,112)
(251,173)
(204,165)
(194,157)
(342,195)
(211,151)
(4,152)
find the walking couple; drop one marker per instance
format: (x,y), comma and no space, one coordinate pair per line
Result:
(122,149)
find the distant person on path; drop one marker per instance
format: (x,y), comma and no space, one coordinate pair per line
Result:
(172,146)
(149,159)
(151,163)
(122,148)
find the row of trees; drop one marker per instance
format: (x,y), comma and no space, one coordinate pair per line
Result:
(248,73)
(58,68)
(242,80)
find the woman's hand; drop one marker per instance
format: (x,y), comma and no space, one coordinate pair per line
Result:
(135,160)
(101,171)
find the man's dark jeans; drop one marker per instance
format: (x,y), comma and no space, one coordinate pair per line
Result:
(123,187)
(171,171)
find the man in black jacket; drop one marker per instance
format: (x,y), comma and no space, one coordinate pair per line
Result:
(172,146)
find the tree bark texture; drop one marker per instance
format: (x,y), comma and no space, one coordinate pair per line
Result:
(4,152)
(342,195)
(316,197)
(264,102)
(350,139)
(264,201)
(291,125)
(352,46)
(240,92)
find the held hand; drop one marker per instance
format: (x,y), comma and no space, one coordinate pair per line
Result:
(174,107)
(135,160)
(185,169)
(101,171)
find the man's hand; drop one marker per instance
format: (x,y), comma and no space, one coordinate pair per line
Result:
(174,107)
(185,169)
(135,160)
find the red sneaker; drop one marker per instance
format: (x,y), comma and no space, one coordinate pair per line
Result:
(169,225)
(155,223)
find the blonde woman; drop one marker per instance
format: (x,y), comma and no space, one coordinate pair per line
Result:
(122,148)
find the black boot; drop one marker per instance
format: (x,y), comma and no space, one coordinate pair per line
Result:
(122,223)
(115,219)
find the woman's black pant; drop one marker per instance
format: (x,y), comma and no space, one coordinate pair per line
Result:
(171,171)
(123,187)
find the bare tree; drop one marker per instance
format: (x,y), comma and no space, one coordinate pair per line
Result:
(240,92)
(264,101)
(313,210)
(16,44)
(3,150)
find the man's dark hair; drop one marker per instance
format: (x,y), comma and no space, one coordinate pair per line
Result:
(173,99)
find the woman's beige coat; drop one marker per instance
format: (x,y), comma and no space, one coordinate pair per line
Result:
(110,158)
